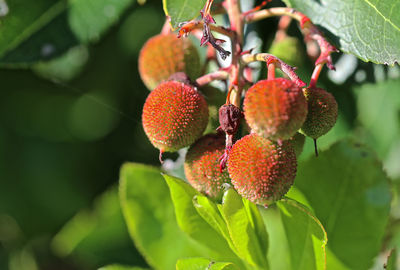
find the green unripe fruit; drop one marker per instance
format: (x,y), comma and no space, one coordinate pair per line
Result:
(164,55)
(202,165)
(275,109)
(322,112)
(288,50)
(260,170)
(174,116)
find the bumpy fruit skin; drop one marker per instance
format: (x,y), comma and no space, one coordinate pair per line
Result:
(260,170)
(164,55)
(174,116)
(298,141)
(322,112)
(202,165)
(275,109)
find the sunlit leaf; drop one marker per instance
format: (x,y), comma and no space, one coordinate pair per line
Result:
(349,193)
(297,238)
(149,214)
(378,113)
(369,29)
(208,210)
(182,10)
(191,222)
(121,267)
(242,230)
(203,263)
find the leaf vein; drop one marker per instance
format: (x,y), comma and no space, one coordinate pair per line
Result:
(383,16)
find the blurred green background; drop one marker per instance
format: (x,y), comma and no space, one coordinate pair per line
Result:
(67,124)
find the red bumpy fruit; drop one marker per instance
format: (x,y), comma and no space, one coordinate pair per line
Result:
(260,170)
(275,109)
(174,116)
(322,112)
(202,165)
(164,55)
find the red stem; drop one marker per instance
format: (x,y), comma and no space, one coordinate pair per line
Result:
(271,71)
(217,75)
(315,75)
(237,25)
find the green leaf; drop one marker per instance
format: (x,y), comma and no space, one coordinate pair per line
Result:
(24,18)
(191,222)
(121,267)
(202,264)
(89,19)
(297,238)
(369,29)
(182,10)
(242,231)
(340,130)
(22,259)
(332,262)
(350,195)
(65,67)
(378,113)
(87,236)
(210,213)
(391,263)
(257,224)
(295,217)
(149,214)
(34,30)
(44,29)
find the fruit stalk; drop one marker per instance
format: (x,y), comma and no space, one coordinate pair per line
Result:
(315,75)
(269,58)
(271,71)
(236,81)
(207,78)
(309,30)
(273,12)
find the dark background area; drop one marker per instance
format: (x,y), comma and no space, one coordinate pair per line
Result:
(62,142)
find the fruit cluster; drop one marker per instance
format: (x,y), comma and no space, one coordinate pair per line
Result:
(278,112)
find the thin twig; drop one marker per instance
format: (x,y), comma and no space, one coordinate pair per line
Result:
(269,58)
(308,28)
(207,78)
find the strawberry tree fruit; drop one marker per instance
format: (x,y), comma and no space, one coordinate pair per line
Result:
(164,55)
(275,109)
(202,165)
(322,112)
(261,170)
(174,116)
